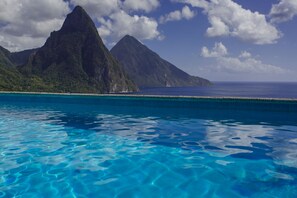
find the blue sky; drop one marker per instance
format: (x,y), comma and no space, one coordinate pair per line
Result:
(222,40)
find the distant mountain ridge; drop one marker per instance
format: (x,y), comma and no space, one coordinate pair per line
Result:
(147,69)
(5,57)
(12,59)
(22,57)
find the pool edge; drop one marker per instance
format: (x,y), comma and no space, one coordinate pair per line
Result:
(151,96)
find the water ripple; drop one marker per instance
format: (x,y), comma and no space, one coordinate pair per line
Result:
(58,152)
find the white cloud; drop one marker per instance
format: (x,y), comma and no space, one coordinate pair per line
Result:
(120,24)
(244,63)
(219,50)
(194,3)
(104,31)
(185,13)
(98,8)
(249,65)
(27,23)
(285,10)
(228,18)
(145,5)
(245,54)
(15,43)
(219,28)
(116,21)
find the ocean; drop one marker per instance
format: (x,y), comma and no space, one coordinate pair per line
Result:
(230,89)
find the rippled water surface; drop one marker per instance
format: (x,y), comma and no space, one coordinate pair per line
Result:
(90,150)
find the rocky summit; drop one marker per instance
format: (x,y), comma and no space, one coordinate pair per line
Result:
(147,69)
(74,59)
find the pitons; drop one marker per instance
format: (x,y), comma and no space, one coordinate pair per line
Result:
(147,69)
(74,59)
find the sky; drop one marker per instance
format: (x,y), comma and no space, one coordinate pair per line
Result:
(221,40)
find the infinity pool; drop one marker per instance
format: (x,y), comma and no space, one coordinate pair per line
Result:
(111,146)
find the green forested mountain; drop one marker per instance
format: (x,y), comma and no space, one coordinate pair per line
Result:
(10,78)
(148,69)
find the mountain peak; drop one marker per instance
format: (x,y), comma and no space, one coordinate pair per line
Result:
(130,39)
(147,69)
(78,9)
(74,59)
(78,20)
(131,43)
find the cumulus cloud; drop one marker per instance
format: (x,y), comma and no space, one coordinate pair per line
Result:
(97,8)
(185,13)
(105,7)
(228,18)
(27,23)
(244,63)
(285,10)
(194,3)
(249,65)
(245,54)
(120,23)
(116,21)
(145,5)
(219,50)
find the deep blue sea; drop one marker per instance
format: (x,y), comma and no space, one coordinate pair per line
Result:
(122,147)
(233,89)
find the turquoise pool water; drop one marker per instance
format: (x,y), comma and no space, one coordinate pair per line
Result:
(87,146)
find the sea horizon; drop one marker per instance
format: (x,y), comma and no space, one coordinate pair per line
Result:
(229,89)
